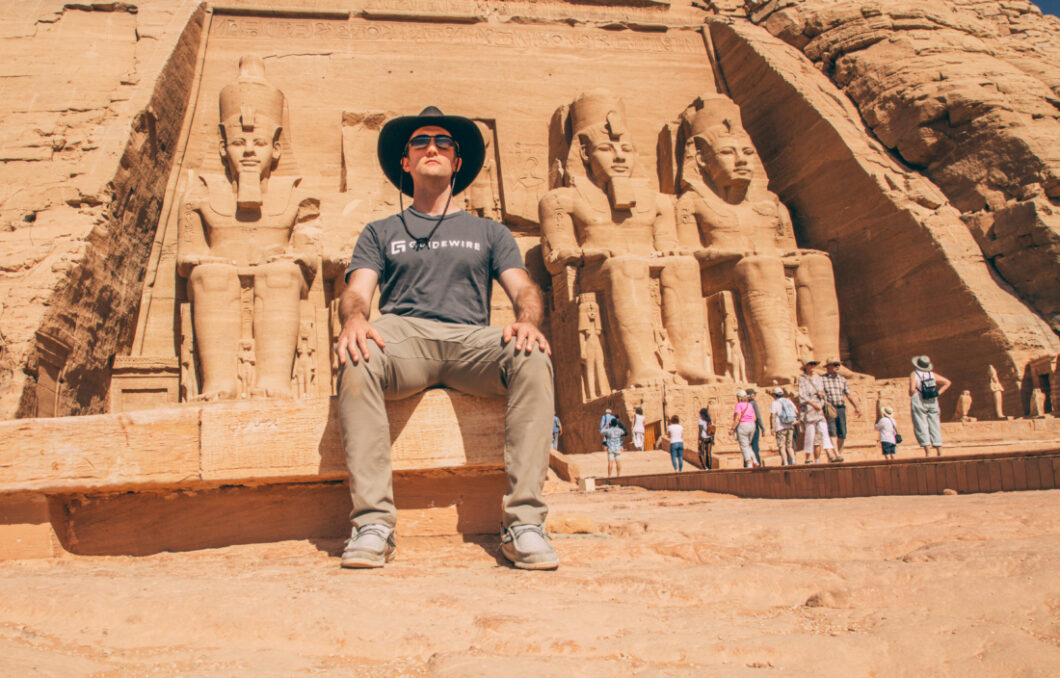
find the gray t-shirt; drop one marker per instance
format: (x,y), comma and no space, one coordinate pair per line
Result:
(452,280)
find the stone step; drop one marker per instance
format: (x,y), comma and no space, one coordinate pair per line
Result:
(251,441)
(977,437)
(1013,471)
(208,475)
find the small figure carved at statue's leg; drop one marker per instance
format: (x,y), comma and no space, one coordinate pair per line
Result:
(997,392)
(246,369)
(590,327)
(735,365)
(803,344)
(304,378)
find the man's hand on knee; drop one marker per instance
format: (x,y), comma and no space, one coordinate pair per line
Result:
(353,340)
(526,335)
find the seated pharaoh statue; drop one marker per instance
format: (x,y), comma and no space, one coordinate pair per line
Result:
(744,239)
(617,233)
(241,250)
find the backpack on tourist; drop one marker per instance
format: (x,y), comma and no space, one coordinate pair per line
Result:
(788,414)
(929,390)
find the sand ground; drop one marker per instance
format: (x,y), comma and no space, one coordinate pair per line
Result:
(663,584)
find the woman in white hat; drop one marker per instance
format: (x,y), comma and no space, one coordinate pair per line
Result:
(925,387)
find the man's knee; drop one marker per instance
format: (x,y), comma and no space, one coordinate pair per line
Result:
(536,365)
(356,379)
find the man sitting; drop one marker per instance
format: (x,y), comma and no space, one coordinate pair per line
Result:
(434,264)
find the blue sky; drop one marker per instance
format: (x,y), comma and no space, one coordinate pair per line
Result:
(1049,6)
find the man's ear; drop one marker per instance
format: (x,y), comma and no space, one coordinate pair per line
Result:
(405,163)
(457,163)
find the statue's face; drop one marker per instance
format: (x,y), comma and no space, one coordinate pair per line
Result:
(727,160)
(250,150)
(606,158)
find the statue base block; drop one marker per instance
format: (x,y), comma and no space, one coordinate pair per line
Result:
(141,383)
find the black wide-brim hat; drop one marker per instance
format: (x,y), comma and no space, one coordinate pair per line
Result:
(395,134)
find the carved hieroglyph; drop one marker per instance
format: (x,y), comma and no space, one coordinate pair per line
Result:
(611,230)
(239,247)
(743,238)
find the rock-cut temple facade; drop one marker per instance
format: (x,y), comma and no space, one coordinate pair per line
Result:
(709,193)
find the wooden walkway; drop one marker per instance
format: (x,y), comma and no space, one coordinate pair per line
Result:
(1038,470)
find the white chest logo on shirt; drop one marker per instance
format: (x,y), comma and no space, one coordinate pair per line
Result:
(400,246)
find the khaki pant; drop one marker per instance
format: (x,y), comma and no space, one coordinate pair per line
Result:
(422,353)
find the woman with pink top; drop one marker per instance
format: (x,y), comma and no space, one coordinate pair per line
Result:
(743,427)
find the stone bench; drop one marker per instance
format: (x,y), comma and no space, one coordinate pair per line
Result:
(236,472)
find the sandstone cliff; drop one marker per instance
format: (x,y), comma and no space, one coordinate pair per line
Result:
(966,91)
(95,95)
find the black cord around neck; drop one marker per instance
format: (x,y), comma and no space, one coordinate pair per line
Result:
(424,242)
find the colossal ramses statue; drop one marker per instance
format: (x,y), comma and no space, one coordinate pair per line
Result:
(620,233)
(238,232)
(743,237)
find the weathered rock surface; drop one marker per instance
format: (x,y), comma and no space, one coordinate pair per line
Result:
(886,227)
(968,91)
(95,96)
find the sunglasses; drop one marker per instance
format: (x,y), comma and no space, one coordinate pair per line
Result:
(443,142)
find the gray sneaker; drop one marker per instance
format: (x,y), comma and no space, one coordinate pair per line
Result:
(528,548)
(369,546)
